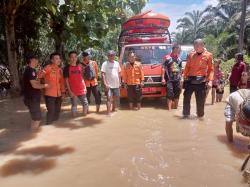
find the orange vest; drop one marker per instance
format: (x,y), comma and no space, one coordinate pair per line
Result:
(199,65)
(132,75)
(53,76)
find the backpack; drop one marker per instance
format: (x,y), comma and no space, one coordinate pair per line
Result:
(89,71)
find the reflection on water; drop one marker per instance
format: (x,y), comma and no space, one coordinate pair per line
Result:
(26,166)
(147,148)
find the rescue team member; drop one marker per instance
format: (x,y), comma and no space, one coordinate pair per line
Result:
(238,109)
(32,91)
(90,72)
(238,68)
(133,78)
(75,84)
(53,75)
(198,74)
(111,75)
(172,75)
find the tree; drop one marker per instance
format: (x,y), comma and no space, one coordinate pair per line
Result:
(193,24)
(8,10)
(46,25)
(242,24)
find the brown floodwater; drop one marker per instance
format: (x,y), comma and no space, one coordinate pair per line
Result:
(147,148)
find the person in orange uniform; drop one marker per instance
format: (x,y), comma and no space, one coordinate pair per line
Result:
(90,74)
(198,76)
(53,75)
(133,78)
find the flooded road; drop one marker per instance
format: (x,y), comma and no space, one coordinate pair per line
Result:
(147,148)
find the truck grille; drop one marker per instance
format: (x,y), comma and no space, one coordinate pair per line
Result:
(152,79)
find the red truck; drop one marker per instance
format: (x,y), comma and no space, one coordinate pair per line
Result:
(147,35)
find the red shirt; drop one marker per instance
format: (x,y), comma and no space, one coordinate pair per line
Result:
(76,82)
(237,70)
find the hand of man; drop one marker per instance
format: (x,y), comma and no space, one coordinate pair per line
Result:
(106,88)
(142,83)
(46,85)
(71,94)
(210,84)
(63,95)
(163,81)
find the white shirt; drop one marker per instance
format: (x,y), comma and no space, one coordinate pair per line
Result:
(233,102)
(112,71)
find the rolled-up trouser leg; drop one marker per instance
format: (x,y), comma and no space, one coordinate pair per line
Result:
(73,104)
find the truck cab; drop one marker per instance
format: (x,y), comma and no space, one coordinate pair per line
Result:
(148,37)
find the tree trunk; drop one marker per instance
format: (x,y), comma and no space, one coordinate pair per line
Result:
(242,25)
(59,45)
(11,52)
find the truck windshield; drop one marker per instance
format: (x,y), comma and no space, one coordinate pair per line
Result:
(150,54)
(184,55)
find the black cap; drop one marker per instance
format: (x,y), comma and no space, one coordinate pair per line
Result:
(85,53)
(239,56)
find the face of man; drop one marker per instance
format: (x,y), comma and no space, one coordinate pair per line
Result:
(56,60)
(111,58)
(199,47)
(73,58)
(86,58)
(177,51)
(34,62)
(131,58)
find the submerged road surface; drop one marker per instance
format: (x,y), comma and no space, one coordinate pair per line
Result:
(147,148)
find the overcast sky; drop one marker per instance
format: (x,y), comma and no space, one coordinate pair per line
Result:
(175,9)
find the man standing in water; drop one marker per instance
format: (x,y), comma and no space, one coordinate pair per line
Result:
(53,75)
(238,68)
(198,75)
(111,75)
(75,84)
(238,109)
(32,91)
(133,78)
(171,76)
(90,72)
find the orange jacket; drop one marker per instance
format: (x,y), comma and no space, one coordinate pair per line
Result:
(132,74)
(53,76)
(93,82)
(199,65)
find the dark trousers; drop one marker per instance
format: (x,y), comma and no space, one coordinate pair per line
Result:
(97,95)
(53,105)
(200,96)
(134,93)
(33,105)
